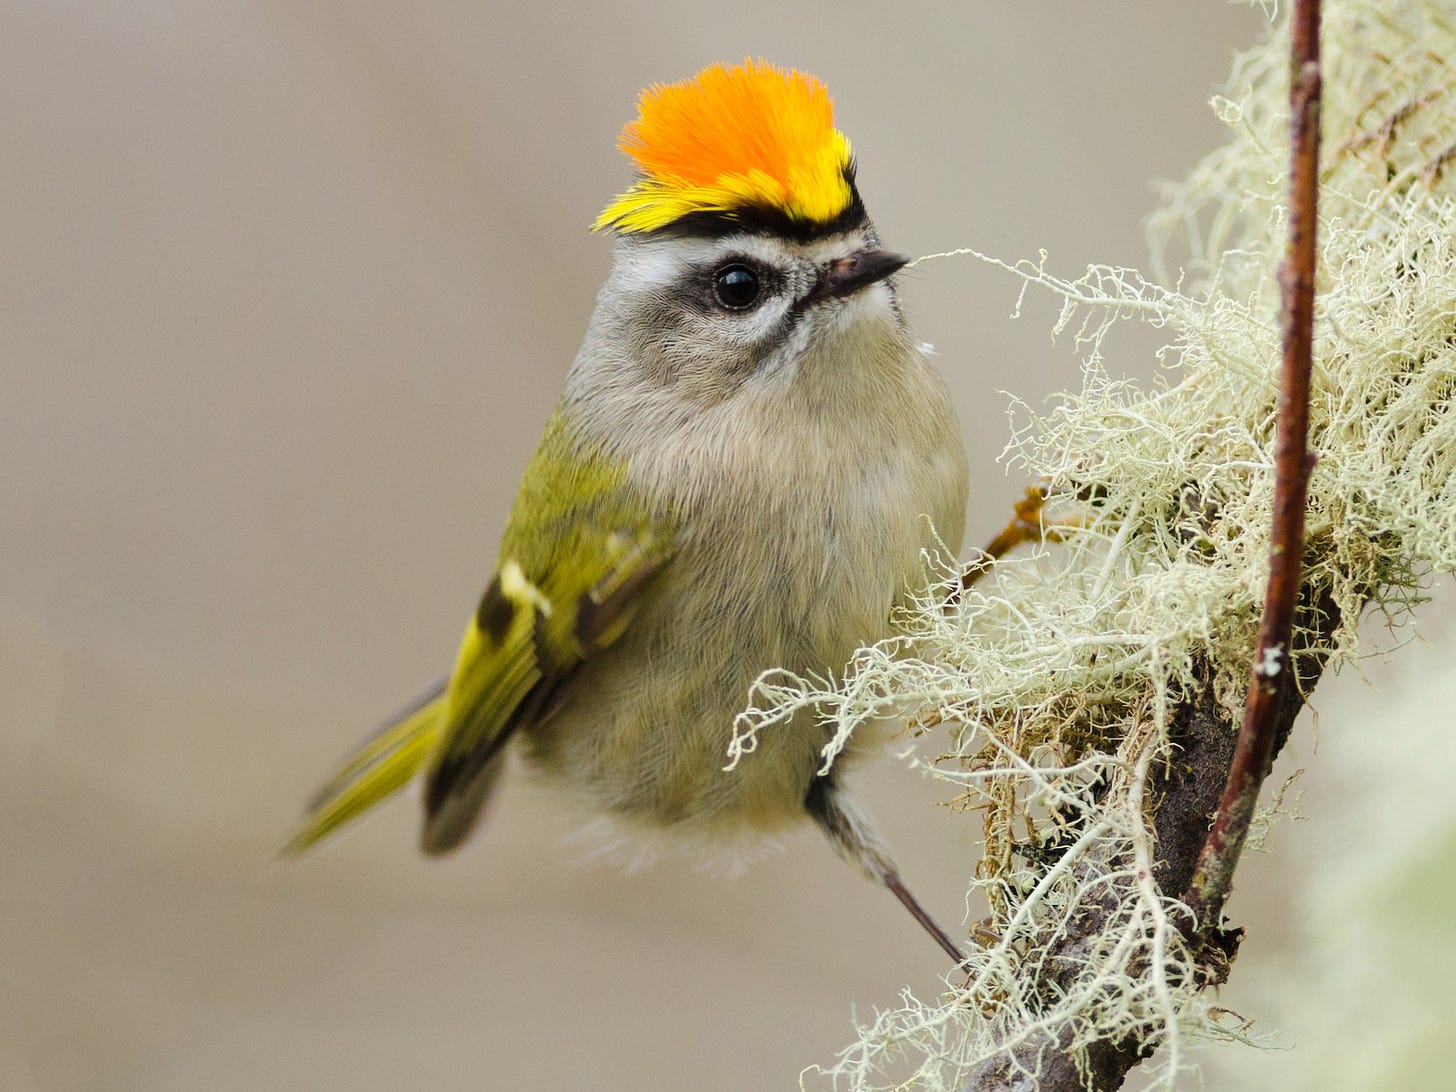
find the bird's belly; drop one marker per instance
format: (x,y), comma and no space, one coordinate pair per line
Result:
(645,734)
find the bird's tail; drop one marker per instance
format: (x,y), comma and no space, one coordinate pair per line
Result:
(382,765)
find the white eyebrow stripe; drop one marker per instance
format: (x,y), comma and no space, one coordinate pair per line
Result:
(662,263)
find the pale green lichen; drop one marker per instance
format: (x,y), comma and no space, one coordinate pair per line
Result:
(1056,677)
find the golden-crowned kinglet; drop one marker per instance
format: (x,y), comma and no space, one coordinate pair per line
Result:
(737,478)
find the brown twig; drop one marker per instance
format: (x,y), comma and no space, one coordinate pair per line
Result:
(1271,673)
(1027,524)
(1024,526)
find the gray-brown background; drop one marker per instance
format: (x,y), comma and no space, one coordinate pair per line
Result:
(285,293)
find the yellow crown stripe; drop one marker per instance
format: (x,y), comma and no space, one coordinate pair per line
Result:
(729,139)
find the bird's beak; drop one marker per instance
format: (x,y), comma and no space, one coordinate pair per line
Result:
(846,276)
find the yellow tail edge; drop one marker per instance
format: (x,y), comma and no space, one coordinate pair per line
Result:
(386,763)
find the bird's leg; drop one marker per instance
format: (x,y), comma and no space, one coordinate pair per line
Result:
(920,914)
(854,837)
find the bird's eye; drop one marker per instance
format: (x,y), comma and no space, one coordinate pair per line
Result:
(736,287)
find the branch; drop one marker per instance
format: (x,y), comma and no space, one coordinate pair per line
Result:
(1187,788)
(1269,679)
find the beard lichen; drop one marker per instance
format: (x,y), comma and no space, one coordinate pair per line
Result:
(1055,679)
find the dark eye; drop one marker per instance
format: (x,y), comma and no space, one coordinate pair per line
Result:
(736,287)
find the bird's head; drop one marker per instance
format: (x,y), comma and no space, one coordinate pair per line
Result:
(744,253)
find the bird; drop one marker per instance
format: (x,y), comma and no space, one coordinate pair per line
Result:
(750,456)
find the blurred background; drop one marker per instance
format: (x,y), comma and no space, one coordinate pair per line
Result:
(288,289)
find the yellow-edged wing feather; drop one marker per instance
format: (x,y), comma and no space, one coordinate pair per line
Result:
(578,550)
(518,661)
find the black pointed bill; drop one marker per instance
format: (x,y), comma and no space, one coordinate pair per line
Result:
(846,276)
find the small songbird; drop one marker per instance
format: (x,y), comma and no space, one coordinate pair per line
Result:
(751,453)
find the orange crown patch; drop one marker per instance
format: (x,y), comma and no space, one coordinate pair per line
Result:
(730,139)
